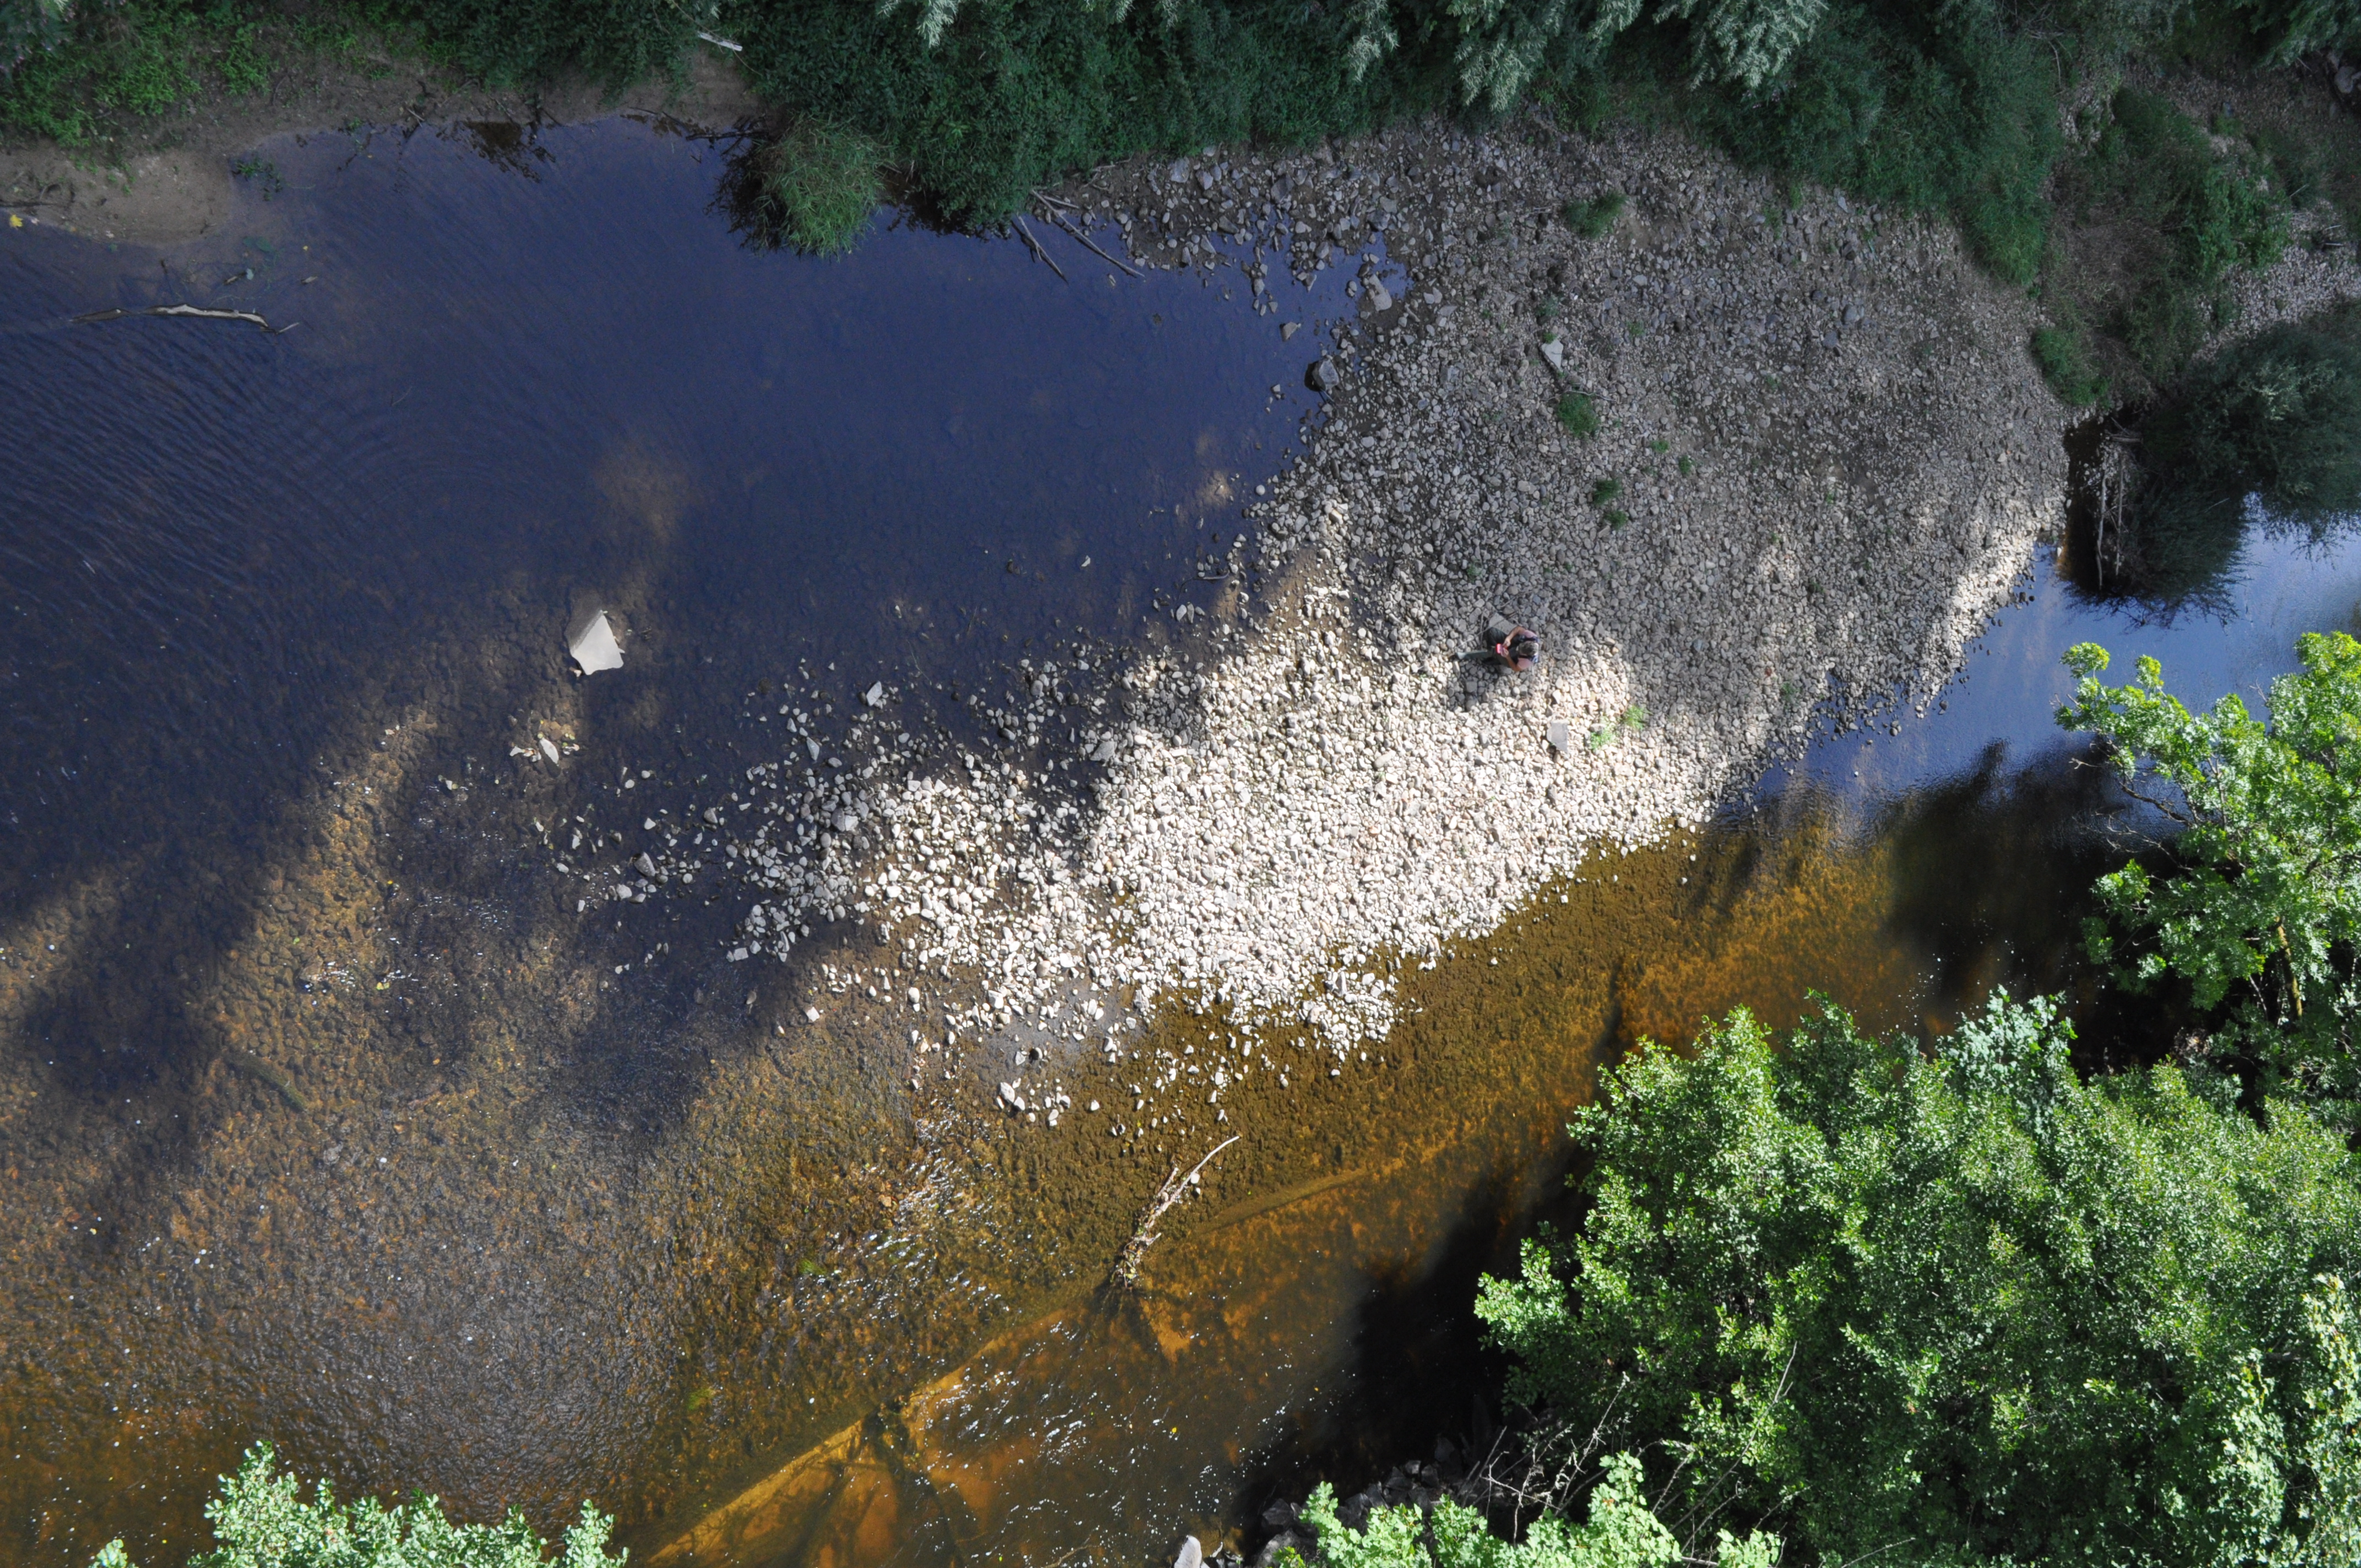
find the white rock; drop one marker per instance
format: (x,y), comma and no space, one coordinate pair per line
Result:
(594,647)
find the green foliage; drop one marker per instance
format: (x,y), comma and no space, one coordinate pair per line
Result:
(1578,414)
(2158,166)
(1620,1532)
(2067,368)
(813,187)
(512,41)
(2259,910)
(1972,1302)
(96,64)
(1594,219)
(260,1521)
(2289,29)
(2277,415)
(1744,43)
(1015,91)
(31,27)
(1932,108)
(1605,490)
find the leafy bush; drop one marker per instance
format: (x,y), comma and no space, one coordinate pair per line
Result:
(1933,109)
(1578,414)
(813,187)
(2289,29)
(1619,1533)
(510,42)
(2259,912)
(1969,1303)
(2277,415)
(1594,219)
(2213,214)
(30,26)
(260,1521)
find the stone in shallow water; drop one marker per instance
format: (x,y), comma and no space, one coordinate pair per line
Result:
(594,647)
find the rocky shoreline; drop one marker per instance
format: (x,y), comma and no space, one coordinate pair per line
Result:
(1822,458)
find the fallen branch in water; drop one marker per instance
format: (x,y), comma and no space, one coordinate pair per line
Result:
(118,313)
(1076,231)
(1176,1187)
(1039,254)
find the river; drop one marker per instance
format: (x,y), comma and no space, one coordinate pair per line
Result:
(328,1112)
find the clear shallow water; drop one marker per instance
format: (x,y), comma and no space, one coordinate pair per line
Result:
(325,1116)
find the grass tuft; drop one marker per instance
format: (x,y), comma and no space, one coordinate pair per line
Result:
(1578,414)
(2067,367)
(1594,219)
(812,189)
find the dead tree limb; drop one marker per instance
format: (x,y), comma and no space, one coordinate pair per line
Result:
(1176,1187)
(119,313)
(1039,254)
(1103,256)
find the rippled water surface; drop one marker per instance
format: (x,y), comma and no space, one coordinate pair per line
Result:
(330,1112)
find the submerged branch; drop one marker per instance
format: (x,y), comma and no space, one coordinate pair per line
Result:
(1176,1187)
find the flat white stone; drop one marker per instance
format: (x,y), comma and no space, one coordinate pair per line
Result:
(594,646)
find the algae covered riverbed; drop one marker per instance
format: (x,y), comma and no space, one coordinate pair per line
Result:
(345,1100)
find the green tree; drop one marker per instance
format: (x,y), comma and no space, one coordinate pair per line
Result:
(1966,1307)
(2258,906)
(260,1521)
(1619,1533)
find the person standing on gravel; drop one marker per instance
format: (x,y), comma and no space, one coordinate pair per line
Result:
(1512,646)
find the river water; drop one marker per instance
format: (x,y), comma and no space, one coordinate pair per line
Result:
(328,1112)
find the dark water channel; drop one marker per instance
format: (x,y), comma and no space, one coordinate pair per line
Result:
(325,1114)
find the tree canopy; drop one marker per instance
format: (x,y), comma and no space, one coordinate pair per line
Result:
(1964,1304)
(2256,905)
(260,1520)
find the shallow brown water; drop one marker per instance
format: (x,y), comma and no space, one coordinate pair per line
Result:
(1310,1315)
